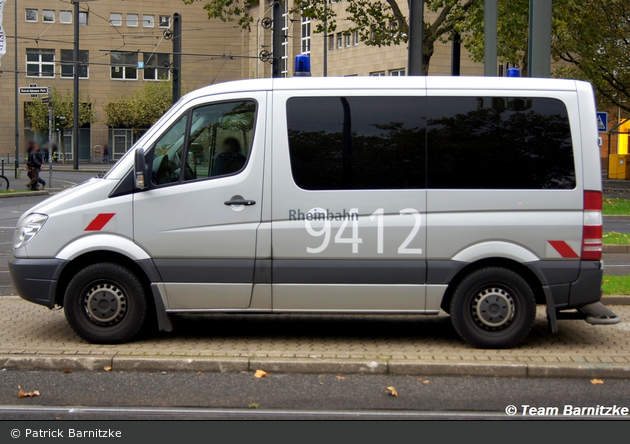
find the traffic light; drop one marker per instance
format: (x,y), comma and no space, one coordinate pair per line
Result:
(58,120)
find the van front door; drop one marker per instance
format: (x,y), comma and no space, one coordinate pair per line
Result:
(199,217)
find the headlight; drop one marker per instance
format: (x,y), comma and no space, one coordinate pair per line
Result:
(27,230)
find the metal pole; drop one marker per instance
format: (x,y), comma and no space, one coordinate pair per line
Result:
(277,39)
(416,25)
(490,17)
(177,56)
(17,120)
(326,38)
(456,54)
(75,124)
(539,57)
(51,116)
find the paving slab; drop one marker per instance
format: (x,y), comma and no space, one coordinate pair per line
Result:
(33,337)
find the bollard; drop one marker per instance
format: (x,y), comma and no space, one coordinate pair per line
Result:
(2,167)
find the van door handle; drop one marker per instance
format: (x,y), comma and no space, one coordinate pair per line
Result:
(247,203)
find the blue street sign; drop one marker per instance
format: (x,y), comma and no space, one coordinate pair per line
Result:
(602,122)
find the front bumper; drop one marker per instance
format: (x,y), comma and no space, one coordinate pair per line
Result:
(36,279)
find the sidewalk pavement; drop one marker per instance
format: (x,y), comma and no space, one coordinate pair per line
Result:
(33,337)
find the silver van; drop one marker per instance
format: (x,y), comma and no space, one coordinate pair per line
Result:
(478,196)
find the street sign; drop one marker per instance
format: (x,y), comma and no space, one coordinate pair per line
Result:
(34,90)
(45,100)
(602,122)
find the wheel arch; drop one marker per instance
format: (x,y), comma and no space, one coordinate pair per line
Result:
(522,270)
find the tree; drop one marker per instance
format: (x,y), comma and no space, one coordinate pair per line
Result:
(590,39)
(37,112)
(140,110)
(380,23)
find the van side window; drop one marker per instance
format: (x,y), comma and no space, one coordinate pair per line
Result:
(168,153)
(354,143)
(220,139)
(499,143)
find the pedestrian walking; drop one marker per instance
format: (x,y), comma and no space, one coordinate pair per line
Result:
(34,165)
(105,153)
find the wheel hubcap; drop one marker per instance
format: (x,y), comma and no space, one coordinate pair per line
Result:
(105,304)
(493,308)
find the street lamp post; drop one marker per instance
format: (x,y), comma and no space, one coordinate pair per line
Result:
(75,65)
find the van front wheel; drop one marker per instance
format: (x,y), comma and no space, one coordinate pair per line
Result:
(105,304)
(493,308)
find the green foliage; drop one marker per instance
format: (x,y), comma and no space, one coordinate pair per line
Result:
(140,110)
(616,285)
(592,37)
(614,238)
(37,112)
(616,206)
(229,10)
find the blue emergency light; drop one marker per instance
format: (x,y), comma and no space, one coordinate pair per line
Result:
(302,66)
(513,72)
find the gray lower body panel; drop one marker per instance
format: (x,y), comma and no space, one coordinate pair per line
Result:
(36,279)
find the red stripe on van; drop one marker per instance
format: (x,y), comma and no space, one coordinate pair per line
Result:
(564,249)
(99,222)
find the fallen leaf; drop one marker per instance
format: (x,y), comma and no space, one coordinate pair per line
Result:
(425,382)
(340,377)
(419,379)
(150,374)
(108,369)
(596,381)
(23,394)
(261,374)
(253,405)
(58,417)
(198,373)
(392,391)
(67,370)
(468,376)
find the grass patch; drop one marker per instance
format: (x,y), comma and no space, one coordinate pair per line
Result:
(616,285)
(14,191)
(616,206)
(614,238)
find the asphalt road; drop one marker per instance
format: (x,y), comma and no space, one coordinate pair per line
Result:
(140,395)
(11,209)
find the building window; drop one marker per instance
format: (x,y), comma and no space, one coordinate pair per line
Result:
(124,65)
(347,40)
(339,40)
(331,42)
(284,65)
(356,38)
(67,67)
(397,72)
(48,16)
(83,18)
(40,62)
(132,20)
(306,35)
(156,66)
(148,21)
(165,21)
(378,74)
(65,17)
(31,15)
(115,19)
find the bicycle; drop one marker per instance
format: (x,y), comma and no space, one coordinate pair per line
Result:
(5,179)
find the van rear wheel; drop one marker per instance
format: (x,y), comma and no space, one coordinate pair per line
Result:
(105,303)
(493,308)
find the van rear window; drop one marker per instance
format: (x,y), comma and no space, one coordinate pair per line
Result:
(499,143)
(351,143)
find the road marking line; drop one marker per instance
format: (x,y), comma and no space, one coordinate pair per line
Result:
(257,412)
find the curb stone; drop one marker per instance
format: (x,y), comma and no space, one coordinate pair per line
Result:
(616,248)
(310,365)
(166,364)
(23,194)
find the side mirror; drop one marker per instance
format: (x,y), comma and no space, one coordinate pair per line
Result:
(140,170)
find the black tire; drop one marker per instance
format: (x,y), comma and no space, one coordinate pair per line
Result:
(4,182)
(115,299)
(493,308)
